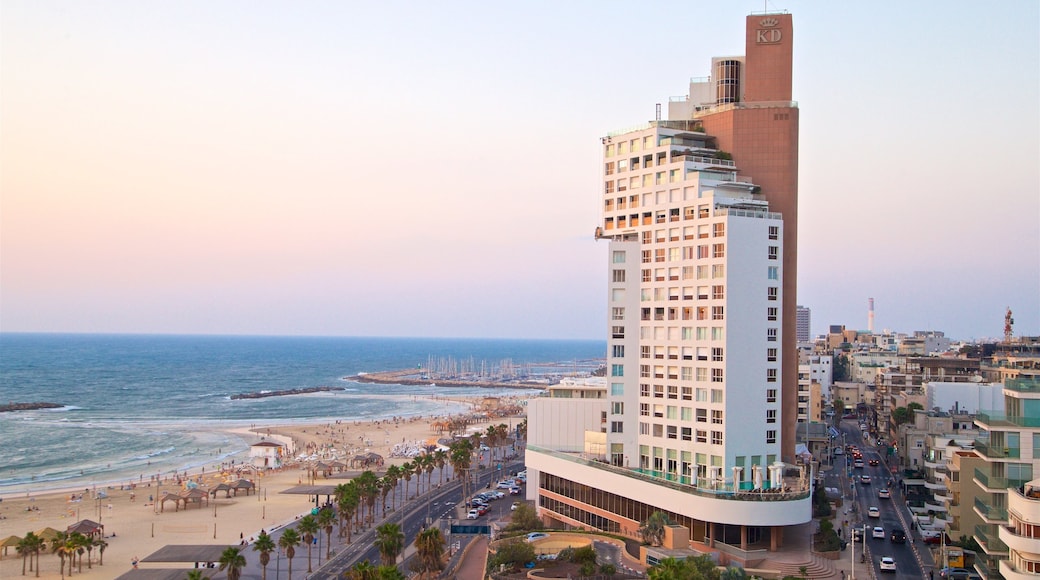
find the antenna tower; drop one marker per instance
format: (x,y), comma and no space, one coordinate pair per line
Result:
(1008,325)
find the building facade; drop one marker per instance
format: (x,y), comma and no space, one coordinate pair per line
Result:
(700,410)
(803,331)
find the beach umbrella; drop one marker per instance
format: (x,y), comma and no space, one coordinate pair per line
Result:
(8,542)
(48,534)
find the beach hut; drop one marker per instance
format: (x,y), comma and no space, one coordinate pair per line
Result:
(267,454)
(7,543)
(87,528)
(244,485)
(48,534)
(224,487)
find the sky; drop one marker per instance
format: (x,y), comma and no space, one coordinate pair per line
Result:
(434,168)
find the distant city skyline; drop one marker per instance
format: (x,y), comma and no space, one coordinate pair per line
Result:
(406,169)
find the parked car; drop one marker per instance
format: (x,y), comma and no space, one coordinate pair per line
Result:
(504,484)
(515,505)
(878,533)
(536,536)
(873,512)
(482,510)
(898,536)
(514,491)
(883,493)
(936,538)
(888,564)
(472,515)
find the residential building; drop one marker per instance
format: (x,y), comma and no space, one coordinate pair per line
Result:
(699,410)
(1009,442)
(803,329)
(1022,533)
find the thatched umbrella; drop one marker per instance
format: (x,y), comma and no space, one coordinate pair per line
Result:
(48,534)
(87,528)
(7,543)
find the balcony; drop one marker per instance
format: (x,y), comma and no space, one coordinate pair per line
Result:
(1023,385)
(996,451)
(1018,542)
(990,513)
(795,489)
(989,541)
(1008,571)
(988,420)
(996,484)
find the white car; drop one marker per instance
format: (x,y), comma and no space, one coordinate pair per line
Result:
(888,564)
(515,505)
(884,494)
(878,533)
(533,536)
(472,515)
(873,512)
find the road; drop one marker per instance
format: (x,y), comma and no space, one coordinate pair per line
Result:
(894,514)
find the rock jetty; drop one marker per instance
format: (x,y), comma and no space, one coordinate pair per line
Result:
(28,406)
(285,393)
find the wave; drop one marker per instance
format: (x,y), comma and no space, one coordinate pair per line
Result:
(156,453)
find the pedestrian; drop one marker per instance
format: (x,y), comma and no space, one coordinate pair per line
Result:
(930,574)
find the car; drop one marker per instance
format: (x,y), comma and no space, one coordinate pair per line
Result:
(864,479)
(483,509)
(883,493)
(898,536)
(873,462)
(472,515)
(878,533)
(955,573)
(534,536)
(514,491)
(888,564)
(849,416)
(504,484)
(498,495)
(873,512)
(858,464)
(935,538)
(839,451)
(515,505)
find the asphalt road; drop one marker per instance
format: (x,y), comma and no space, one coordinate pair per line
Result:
(893,511)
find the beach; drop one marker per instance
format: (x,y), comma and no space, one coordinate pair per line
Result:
(135,527)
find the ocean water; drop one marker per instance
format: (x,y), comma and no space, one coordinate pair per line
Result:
(140,405)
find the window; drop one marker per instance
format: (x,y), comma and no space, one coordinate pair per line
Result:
(773,273)
(617,389)
(702,333)
(618,332)
(658,391)
(718,333)
(771,334)
(770,375)
(770,395)
(617,427)
(774,232)
(646,256)
(619,275)
(644,409)
(617,370)
(702,436)
(718,250)
(702,251)
(718,271)
(619,257)
(716,354)
(644,389)
(718,292)
(771,313)
(774,251)
(618,351)
(673,393)
(687,434)
(772,292)
(644,428)
(702,376)
(617,313)
(687,395)
(716,396)
(716,437)
(718,313)
(702,272)
(659,411)
(771,355)
(617,408)
(702,415)
(658,430)
(716,375)
(718,230)
(770,415)
(673,432)
(716,417)
(771,436)
(659,255)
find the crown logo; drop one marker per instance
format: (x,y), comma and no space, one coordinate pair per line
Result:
(769,22)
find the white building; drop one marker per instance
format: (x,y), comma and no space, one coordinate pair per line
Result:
(267,454)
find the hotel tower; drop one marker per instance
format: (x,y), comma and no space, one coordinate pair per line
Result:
(696,415)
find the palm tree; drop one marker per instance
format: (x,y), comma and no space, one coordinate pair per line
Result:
(406,473)
(652,529)
(265,545)
(429,464)
(81,542)
(23,548)
(440,459)
(101,545)
(37,544)
(394,474)
(384,486)
(64,546)
(308,526)
(460,455)
(389,541)
(347,500)
(389,573)
(88,543)
(289,540)
(429,545)
(326,518)
(417,469)
(195,575)
(234,561)
(363,570)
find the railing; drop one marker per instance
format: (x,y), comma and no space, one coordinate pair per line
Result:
(1001,483)
(1001,420)
(998,451)
(1023,385)
(706,160)
(989,512)
(678,125)
(729,211)
(989,540)
(723,491)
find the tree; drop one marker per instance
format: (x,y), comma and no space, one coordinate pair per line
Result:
(26,552)
(393,473)
(513,553)
(347,500)
(440,459)
(525,518)
(288,542)
(363,570)
(308,526)
(839,407)
(652,529)
(101,546)
(429,545)
(901,415)
(406,473)
(233,561)
(390,542)
(915,405)
(389,573)
(65,547)
(326,517)
(821,504)
(841,368)
(265,545)
(694,568)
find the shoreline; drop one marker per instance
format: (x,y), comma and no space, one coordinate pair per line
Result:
(136,527)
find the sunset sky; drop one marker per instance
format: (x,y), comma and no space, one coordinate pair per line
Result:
(433,168)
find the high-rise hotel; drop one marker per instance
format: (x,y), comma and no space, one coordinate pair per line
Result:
(698,415)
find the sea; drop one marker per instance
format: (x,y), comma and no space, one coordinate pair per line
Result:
(137,406)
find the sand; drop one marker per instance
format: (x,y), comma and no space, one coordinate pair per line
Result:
(135,527)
